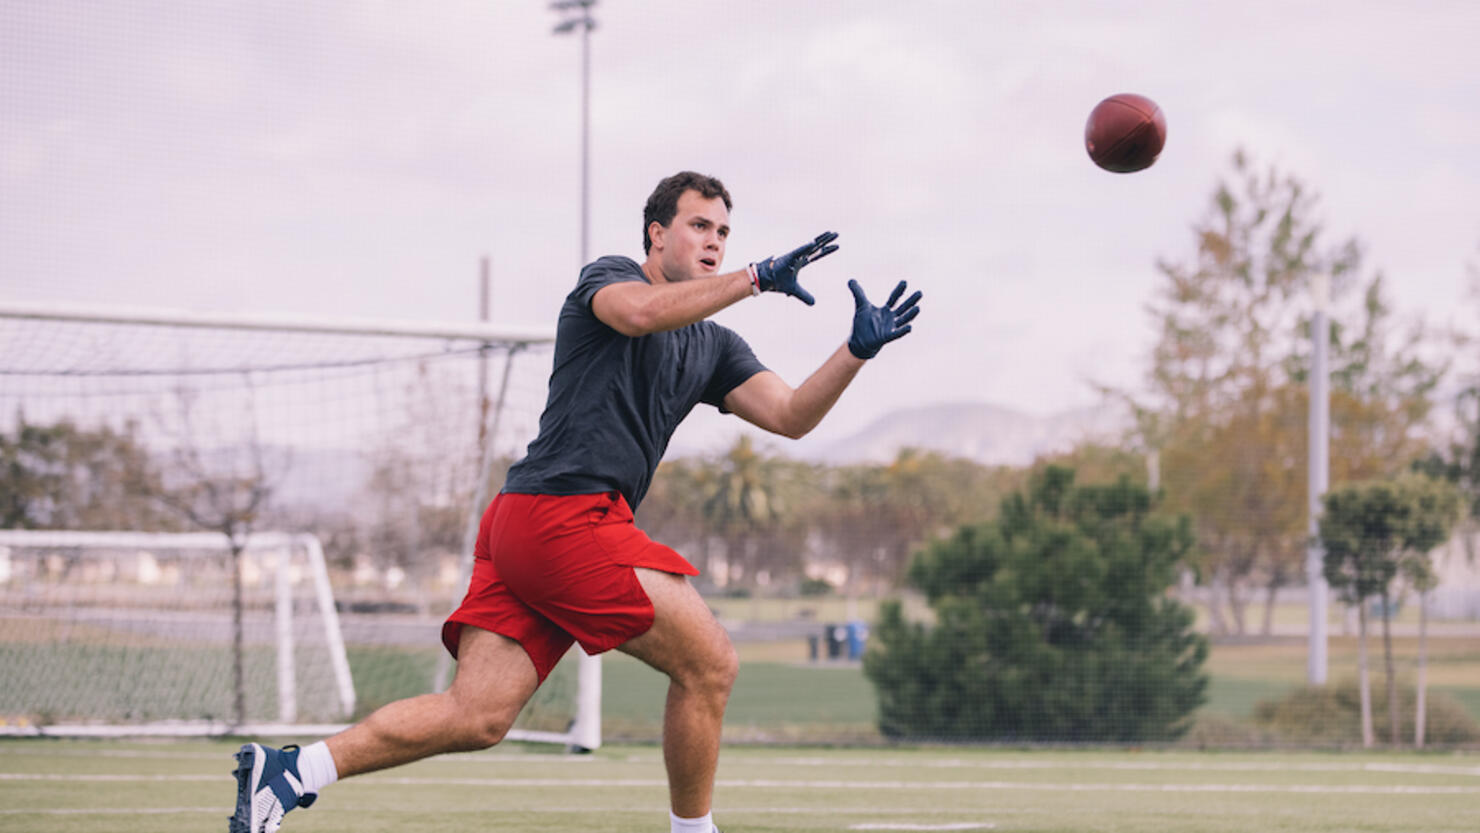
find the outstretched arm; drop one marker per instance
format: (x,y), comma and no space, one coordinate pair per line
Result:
(767,401)
(636,309)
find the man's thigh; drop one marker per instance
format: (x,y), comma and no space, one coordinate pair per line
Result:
(685,636)
(493,671)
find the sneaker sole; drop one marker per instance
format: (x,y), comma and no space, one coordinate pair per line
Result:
(248,770)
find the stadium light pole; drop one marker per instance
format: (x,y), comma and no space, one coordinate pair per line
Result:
(1318,475)
(586,730)
(579,17)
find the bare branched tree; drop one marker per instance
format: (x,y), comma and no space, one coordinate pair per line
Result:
(222,488)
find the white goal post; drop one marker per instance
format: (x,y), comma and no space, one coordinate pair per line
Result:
(376,444)
(97,601)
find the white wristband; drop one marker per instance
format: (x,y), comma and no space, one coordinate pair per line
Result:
(755,281)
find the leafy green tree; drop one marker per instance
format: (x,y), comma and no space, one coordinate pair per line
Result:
(750,505)
(1052,623)
(673,510)
(65,476)
(1436,511)
(873,517)
(1382,390)
(1373,531)
(1097,463)
(1459,463)
(1458,460)
(1227,321)
(747,504)
(1360,528)
(1237,473)
(775,515)
(1225,413)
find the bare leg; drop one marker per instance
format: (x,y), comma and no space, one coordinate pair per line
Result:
(495,678)
(686,643)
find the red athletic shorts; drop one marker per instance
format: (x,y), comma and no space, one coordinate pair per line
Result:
(549,570)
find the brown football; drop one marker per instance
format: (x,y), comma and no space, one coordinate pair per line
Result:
(1125,133)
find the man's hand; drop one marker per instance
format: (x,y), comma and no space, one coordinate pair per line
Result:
(779,274)
(874,327)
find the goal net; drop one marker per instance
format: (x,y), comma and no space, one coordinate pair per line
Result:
(183,496)
(113,628)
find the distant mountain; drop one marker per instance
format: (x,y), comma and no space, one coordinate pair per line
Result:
(979,431)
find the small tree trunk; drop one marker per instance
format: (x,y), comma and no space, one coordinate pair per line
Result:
(1394,732)
(752,560)
(1420,715)
(1364,684)
(238,649)
(1272,592)
(1216,623)
(1238,606)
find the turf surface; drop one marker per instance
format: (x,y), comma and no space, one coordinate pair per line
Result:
(125,787)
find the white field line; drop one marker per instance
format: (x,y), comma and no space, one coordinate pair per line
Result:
(1136,766)
(949,763)
(104,778)
(165,755)
(564,808)
(885,825)
(758,783)
(113,811)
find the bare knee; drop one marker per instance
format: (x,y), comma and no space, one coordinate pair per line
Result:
(482,728)
(712,673)
(481,734)
(727,669)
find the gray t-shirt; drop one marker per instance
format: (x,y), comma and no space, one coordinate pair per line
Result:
(615,401)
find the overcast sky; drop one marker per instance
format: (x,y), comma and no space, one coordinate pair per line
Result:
(359,158)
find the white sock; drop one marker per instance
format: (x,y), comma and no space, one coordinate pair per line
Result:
(316,767)
(702,824)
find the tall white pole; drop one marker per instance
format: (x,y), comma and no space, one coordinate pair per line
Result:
(585,732)
(1318,477)
(287,668)
(578,15)
(586,140)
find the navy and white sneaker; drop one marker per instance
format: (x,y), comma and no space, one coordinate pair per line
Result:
(267,786)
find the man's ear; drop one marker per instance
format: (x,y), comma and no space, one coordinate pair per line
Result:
(656,230)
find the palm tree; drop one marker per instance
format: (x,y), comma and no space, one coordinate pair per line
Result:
(744,505)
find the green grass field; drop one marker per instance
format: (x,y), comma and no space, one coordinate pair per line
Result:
(803,754)
(61,786)
(1241,674)
(779,697)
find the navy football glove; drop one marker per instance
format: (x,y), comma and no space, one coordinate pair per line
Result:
(874,327)
(779,274)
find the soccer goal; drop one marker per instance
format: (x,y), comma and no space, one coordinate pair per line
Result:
(137,632)
(195,500)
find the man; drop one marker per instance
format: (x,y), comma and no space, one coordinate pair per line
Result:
(559,559)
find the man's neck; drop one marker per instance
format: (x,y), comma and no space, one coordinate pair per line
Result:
(652,269)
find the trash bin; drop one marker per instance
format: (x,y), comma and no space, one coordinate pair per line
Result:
(857,638)
(836,637)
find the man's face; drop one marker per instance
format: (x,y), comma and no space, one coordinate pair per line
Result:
(693,245)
